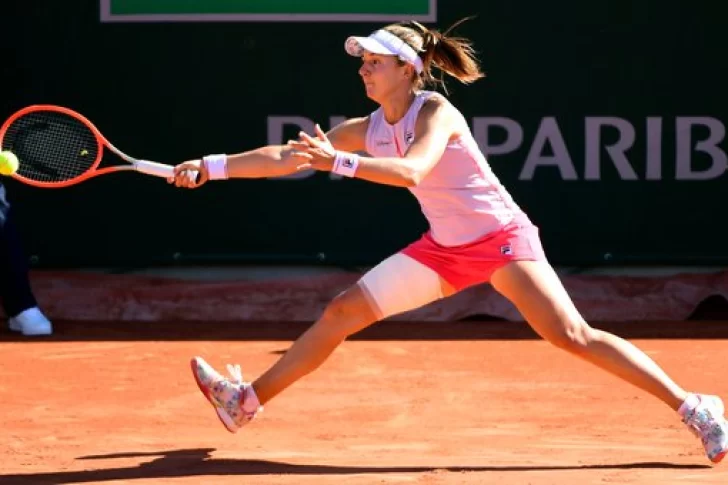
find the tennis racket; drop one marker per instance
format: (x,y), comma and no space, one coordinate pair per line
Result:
(58,147)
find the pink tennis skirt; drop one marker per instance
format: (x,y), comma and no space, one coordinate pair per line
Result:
(475,262)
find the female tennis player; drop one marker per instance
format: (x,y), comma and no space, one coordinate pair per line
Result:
(418,140)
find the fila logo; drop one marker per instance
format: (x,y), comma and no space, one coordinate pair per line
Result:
(347,163)
(409,138)
(506,250)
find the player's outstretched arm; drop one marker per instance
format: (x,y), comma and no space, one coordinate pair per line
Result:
(267,161)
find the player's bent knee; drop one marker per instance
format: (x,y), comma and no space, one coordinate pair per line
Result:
(348,312)
(399,284)
(573,337)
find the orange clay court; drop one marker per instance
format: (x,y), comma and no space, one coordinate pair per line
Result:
(399,403)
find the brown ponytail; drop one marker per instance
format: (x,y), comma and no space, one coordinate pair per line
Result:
(454,56)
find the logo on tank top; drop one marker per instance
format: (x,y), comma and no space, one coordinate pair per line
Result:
(506,250)
(409,137)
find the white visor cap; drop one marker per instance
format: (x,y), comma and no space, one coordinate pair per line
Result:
(384,43)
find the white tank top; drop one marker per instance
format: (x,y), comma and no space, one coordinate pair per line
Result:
(461,197)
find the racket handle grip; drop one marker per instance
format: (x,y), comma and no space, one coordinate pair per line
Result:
(154,168)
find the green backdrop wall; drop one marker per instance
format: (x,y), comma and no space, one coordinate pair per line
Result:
(606,121)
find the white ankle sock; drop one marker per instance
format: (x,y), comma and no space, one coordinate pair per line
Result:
(691,402)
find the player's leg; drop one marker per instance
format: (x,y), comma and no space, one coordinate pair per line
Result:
(396,285)
(346,314)
(535,289)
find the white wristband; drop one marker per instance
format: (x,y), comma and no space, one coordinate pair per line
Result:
(216,166)
(345,164)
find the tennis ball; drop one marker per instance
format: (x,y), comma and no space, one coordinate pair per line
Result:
(8,163)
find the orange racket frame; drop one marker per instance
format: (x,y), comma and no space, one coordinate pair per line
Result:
(143,166)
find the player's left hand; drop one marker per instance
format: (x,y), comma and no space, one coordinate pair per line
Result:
(319,150)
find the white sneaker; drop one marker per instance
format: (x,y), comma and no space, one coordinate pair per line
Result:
(234,400)
(707,422)
(31,322)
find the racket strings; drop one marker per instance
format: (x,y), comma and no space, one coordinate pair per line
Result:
(51,146)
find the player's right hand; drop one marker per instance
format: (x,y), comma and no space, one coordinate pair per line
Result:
(190,174)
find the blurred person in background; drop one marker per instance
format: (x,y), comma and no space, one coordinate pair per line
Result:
(19,303)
